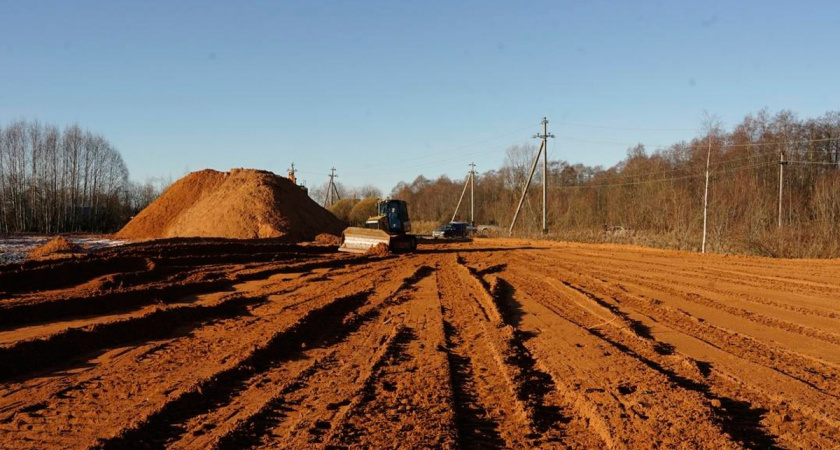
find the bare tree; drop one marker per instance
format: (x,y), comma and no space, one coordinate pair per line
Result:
(54,181)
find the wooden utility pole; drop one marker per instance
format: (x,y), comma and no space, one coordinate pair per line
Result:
(469,182)
(544,136)
(782,163)
(292,172)
(706,195)
(460,199)
(332,191)
(472,193)
(544,151)
(525,189)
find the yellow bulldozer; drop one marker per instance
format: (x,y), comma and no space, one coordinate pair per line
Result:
(390,226)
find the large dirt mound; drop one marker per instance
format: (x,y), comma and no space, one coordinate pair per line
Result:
(242,203)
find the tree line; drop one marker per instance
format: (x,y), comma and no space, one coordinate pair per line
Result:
(656,198)
(64,180)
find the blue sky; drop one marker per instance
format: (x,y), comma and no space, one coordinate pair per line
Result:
(387,90)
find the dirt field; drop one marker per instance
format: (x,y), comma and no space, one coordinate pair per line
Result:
(496,343)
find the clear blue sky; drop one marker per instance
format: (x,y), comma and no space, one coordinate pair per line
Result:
(388,90)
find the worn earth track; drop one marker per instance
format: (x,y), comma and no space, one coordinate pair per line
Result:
(498,343)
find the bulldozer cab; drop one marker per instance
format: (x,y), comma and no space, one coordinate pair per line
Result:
(392,218)
(389,227)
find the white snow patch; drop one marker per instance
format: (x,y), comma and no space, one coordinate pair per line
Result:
(14,249)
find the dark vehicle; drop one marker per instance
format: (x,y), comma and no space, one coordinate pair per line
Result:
(390,227)
(452,230)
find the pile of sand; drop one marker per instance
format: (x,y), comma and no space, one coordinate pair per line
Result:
(55,246)
(327,239)
(378,250)
(240,204)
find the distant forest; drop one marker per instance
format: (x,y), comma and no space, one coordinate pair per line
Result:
(64,180)
(656,198)
(73,180)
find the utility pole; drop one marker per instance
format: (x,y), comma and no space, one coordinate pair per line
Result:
(706,195)
(544,151)
(544,136)
(472,193)
(292,172)
(782,163)
(469,182)
(332,191)
(525,189)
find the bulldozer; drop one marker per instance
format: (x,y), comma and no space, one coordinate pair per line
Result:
(390,226)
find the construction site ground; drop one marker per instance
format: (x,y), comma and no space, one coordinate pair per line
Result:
(495,343)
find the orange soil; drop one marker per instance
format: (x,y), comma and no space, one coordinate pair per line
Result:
(498,343)
(242,204)
(56,245)
(378,250)
(327,239)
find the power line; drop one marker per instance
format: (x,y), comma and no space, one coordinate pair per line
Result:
(457,158)
(753,144)
(606,127)
(714,164)
(427,155)
(824,163)
(696,175)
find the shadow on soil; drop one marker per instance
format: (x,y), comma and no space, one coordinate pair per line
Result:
(479,250)
(321,328)
(377,388)
(75,347)
(736,418)
(532,384)
(476,428)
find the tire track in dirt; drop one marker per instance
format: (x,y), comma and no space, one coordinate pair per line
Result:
(737,419)
(547,410)
(749,416)
(191,414)
(817,373)
(409,393)
(66,346)
(703,279)
(37,276)
(275,421)
(157,429)
(477,341)
(359,341)
(731,395)
(158,371)
(689,291)
(15,313)
(495,361)
(622,399)
(808,287)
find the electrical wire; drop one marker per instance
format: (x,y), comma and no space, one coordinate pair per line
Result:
(670,179)
(422,165)
(604,127)
(825,163)
(426,155)
(753,144)
(713,165)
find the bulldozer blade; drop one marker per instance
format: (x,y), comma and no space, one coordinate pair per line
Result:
(360,240)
